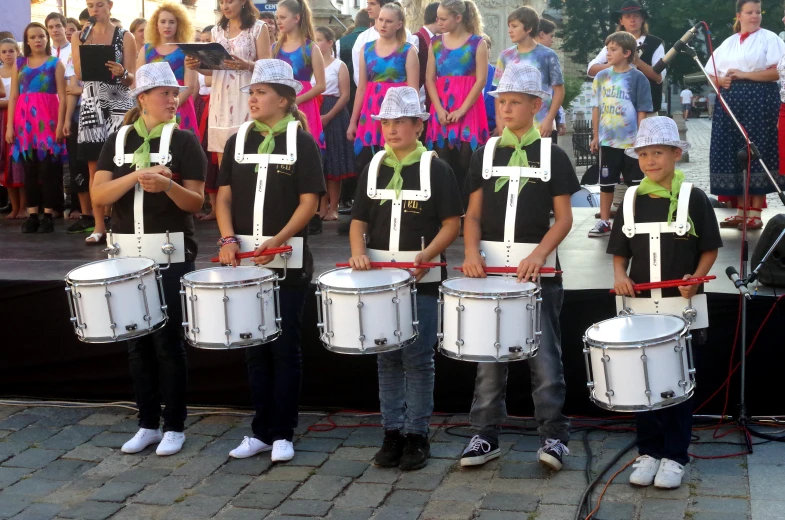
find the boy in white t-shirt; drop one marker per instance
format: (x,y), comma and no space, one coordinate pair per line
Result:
(686,102)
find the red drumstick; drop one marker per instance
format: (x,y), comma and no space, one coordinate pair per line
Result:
(399,265)
(266,252)
(513,270)
(666,284)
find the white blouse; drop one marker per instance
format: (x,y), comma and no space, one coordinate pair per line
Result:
(331,87)
(204,90)
(7,87)
(761,50)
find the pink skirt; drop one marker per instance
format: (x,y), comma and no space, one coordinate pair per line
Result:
(472,129)
(369,131)
(311,110)
(186,118)
(35,124)
(12,174)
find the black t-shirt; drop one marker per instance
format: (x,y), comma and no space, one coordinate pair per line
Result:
(161,214)
(418,218)
(535,200)
(285,184)
(678,255)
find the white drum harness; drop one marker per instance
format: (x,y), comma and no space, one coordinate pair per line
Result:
(394,254)
(694,310)
(509,253)
(252,242)
(164,248)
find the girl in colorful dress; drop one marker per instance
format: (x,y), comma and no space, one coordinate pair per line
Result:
(744,68)
(247,40)
(387,62)
(455,78)
(36,111)
(12,175)
(339,163)
(171,24)
(296,47)
(104,103)
(202,107)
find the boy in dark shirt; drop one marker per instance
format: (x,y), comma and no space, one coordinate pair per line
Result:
(663,435)
(519,100)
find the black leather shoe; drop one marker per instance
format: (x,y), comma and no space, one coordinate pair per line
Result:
(390,453)
(415,452)
(31,224)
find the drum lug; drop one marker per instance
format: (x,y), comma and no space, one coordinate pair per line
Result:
(397,301)
(227,330)
(459,342)
(260,296)
(586,352)
(112,324)
(608,391)
(142,287)
(277,299)
(360,306)
(497,344)
(415,320)
(645,360)
(439,312)
(683,383)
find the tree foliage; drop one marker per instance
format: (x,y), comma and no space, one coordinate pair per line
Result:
(588,22)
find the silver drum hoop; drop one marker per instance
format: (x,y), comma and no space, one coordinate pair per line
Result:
(473,295)
(619,345)
(370,350)
(487,359)
(229,285)
(123,337)
(236,344)
(643,408)
(111,280)
(364,290)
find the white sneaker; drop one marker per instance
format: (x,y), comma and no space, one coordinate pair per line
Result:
(171,443)
(283,450)
(669,475)
(249,447)
(141,440)
(645,469)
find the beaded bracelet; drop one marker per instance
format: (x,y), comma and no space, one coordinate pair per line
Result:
(228,240)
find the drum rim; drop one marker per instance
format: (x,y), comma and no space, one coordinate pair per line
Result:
(643,408)
(486,295)
(486,359)
(364,290)
(357,352)
(207,345)
(122,337)
(657,340)
(271,277)
(112,279)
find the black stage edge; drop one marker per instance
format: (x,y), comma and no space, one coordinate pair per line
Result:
(43,359)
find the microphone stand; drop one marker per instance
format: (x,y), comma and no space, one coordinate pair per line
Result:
(743,418)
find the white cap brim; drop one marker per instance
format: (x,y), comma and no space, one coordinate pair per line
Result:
(294,84)
(633,152)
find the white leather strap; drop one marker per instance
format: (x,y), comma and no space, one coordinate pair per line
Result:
(162,156)
(543,172)
(681,226)
(500,254)
(290,157)
(424,193)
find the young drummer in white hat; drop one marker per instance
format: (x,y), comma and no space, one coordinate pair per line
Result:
(429,222)
(520,98)
(169,195)
(291,194)
(663,435)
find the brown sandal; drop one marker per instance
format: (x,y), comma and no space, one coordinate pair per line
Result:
(732,222)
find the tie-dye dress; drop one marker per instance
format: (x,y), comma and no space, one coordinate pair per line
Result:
(186,113)
(36,113)
(455,78)
(300,60)
(382,73)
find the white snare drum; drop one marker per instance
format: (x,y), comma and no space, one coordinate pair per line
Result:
(366,312)
(587,197)
(640,362)
(230,307)
(494,319)
(116,299)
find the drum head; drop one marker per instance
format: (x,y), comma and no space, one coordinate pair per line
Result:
(348,278)
(506,285)
(109,268)
(224,275)
(635,328)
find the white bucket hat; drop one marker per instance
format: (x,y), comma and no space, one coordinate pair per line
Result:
(401,102)
(153,75)
(273,71)
(658,130)
(521,79)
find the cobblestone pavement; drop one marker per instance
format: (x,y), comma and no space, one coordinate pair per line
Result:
(65,463)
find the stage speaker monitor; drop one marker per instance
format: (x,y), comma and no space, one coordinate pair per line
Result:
(772,273)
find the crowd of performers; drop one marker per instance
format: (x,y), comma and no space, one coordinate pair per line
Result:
(377,89)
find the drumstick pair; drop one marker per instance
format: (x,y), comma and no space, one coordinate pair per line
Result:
(266,252)
(665,284)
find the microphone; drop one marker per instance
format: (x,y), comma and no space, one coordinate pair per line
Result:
(88,29)
(677,47)
(740,284)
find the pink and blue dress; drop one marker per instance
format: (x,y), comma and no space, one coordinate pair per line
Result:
(455,78)
(186,113)
(300,60)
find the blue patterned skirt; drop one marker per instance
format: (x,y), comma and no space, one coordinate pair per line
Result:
(339,156)
(756,106)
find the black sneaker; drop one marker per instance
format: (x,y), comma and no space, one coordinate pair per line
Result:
(552,453)
(391,451)
(415,452)
(47,224)
(479,451)
(31,224)
(315,225)
(85,224)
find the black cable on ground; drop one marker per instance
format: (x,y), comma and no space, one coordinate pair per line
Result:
(596,480)
(761,435)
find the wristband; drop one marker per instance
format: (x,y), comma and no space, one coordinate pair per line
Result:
(228,240)
(125,74)
(168,187)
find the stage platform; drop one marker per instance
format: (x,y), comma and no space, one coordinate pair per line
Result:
(43,359)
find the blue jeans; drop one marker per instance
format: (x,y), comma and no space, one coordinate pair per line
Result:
(665,433)
(406,376)
(159,367)
(275,373)
(489,409)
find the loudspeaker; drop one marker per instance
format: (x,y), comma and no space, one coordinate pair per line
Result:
(772,273)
